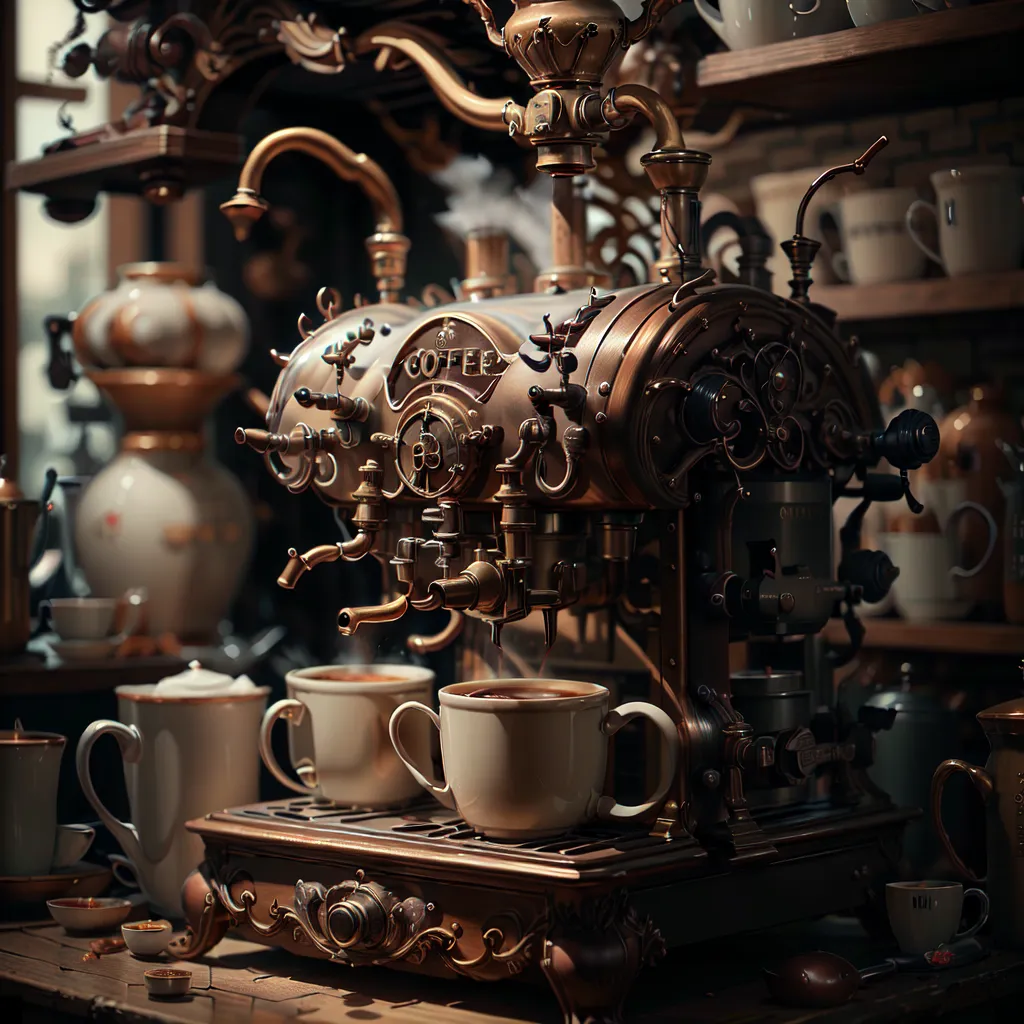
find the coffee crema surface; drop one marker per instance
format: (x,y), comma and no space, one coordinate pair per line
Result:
(343,676)
(523,693)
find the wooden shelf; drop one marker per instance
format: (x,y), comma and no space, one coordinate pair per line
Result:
(933,60)
(939,637)
(46,91)
(937,296)
(32,675)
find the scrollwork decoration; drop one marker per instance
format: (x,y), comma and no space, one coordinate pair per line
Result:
(362,922)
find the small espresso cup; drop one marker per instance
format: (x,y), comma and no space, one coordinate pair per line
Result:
(338,740)
(525,758)
(925,915)
(96,618)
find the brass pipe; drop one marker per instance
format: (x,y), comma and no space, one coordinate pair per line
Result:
(346,164)
(350,550)
(350,619)
(387,246)
(439,641)
(490,114)
(640,100)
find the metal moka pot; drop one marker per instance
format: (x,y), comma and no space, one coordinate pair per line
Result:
(19,553)
(1001,785)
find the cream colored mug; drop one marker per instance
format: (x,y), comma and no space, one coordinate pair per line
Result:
(742,24)
(877,248)
(925,915)
(184,757)
(338,739)
(980,213)
(525,758)
(31,841)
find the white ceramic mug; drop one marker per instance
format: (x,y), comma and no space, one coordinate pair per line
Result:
(338,739)
(528,759)
(184,757)
(871,12)
(742,24)
(877,247)
(925,915)
(31,841)
(927,588)
(980,213)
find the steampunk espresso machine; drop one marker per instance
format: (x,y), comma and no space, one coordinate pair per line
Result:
(504,455)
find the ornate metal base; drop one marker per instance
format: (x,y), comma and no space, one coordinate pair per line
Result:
(420,891)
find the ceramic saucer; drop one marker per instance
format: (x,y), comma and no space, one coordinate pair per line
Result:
(83,650)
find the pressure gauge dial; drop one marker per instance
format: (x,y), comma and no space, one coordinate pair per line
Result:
(433,453)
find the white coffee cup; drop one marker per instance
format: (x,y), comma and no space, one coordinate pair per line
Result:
(877,248)
(742,24)
(338,739)
(980,213)
(525,758)
(95,618)
(31,841)
(928,587)
(926,915)
(184,757)
(871,12)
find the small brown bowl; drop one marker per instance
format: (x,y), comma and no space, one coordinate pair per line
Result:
(87,913)
(168,982)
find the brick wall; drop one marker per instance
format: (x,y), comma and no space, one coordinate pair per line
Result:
(918,144)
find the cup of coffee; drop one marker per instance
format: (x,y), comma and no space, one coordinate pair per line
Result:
(338,739)
(31,841)
(925,915)
(980,214)
(525,758)
(188,750)
(930,584)
(877,248)
(91,627)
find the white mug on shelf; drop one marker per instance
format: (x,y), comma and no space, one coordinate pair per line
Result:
(877,248)
(928,587)
(742,24)
(980,214)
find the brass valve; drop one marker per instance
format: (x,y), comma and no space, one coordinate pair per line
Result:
(315,449)
(341,356)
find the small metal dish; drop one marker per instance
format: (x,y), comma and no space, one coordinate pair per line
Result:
(168,982)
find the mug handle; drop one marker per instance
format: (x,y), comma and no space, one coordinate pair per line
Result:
(993,533)
(982,898)
(118,865)
(983,783)
(810,10)
(129,739)
(293,711)
(442,792)
(920,204)
(713,17)
(607,807)
(134,600)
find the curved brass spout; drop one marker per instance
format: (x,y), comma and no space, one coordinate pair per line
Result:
(350,619)
(387,246)
(491,115)
(639,99)
(439,641)
(299,564)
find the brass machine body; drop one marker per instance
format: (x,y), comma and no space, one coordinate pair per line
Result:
(502,452)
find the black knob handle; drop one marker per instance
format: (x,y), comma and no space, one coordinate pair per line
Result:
(872,571)
(304,397)
(909,441)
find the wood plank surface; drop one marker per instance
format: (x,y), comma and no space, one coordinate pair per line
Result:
(938,296)
(993,638)
(949,57)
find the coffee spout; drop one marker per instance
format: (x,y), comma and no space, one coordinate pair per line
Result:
(350,619)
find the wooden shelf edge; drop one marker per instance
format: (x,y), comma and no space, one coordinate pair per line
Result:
(854,44)
(929,297)
(953,637)
(46,91)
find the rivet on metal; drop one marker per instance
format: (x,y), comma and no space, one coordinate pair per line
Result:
(600,417)
(604,388)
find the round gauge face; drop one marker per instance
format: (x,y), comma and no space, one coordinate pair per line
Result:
(428,456)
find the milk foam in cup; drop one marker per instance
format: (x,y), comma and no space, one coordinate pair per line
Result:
(197,681)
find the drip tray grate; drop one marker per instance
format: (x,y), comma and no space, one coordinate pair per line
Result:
(426,824)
